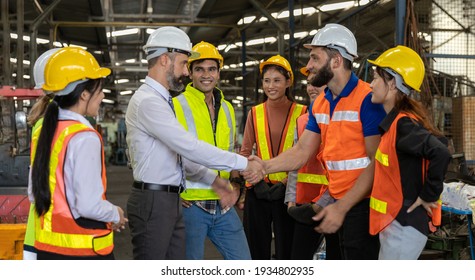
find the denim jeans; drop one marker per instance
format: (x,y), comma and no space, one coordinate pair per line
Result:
(225,232)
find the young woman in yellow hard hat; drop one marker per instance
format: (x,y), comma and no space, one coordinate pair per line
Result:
(411,159)
(68,182)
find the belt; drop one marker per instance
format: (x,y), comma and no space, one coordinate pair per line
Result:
(158,187)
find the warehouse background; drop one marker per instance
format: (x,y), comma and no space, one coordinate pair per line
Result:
(246,32)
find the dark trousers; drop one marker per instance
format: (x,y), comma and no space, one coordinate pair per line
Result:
(305,243)
(156,225)
(261,217)
(355,240)
(333,248)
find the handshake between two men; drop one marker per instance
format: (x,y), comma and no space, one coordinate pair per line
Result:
(229,194)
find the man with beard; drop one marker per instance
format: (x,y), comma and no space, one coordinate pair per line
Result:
(345,122)
(157,143)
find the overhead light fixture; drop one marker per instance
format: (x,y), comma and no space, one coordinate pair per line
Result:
(239,98)
(246,20)
(308,11)
(130,60)
(27,38)
(105,90)
(108,101)
(14,60)
(121,81)
(337,6)
(123,32)
(126,92)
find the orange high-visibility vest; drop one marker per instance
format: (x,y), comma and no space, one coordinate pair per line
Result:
(344,152)
(387,194)
(57,231)
(311,178)
(261,130)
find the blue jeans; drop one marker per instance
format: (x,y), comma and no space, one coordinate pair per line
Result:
(225,231)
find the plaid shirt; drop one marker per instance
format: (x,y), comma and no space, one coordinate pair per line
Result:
(210,206)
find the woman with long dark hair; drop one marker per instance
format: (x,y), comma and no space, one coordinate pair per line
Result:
(411,160)
(68,182)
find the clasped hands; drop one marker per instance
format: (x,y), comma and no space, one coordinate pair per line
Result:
(255,170)
(228,195)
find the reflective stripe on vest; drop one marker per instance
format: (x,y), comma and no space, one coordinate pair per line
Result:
(382,158)
(349,116)
(349,164)
(263,135)
(312,178)
(56,230)
(193,113)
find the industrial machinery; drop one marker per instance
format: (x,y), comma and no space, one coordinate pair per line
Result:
(14,169)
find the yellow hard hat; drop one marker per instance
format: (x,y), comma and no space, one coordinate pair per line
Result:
(71,64)
(405,62)
(206,51)
(279,61)
(304,71)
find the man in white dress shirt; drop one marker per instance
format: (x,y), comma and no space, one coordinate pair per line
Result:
(157,143)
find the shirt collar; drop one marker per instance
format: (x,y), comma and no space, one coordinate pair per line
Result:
(388,120)
(157,87)
(217,93)
(352,83)
(65,114)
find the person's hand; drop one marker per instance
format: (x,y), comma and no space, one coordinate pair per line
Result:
(290,204)
(227,194)
(331,218)
(303,213)
(255,170)
(186,203)
(122,220)
(427,205)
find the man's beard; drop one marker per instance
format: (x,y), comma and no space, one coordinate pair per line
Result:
(323,76)
(175,83)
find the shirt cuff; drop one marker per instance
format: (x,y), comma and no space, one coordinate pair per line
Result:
(241,163)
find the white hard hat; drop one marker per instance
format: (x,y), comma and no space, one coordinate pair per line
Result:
(337,37)
(39,67)
(168,39)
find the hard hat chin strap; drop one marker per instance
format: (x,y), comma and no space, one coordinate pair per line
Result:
(399,82)
(342,51)
(69,88)
(155,52)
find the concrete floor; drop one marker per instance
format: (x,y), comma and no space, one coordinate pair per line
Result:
(119,182)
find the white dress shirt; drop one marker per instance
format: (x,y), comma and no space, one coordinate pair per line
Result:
(155,138)
(83,175)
